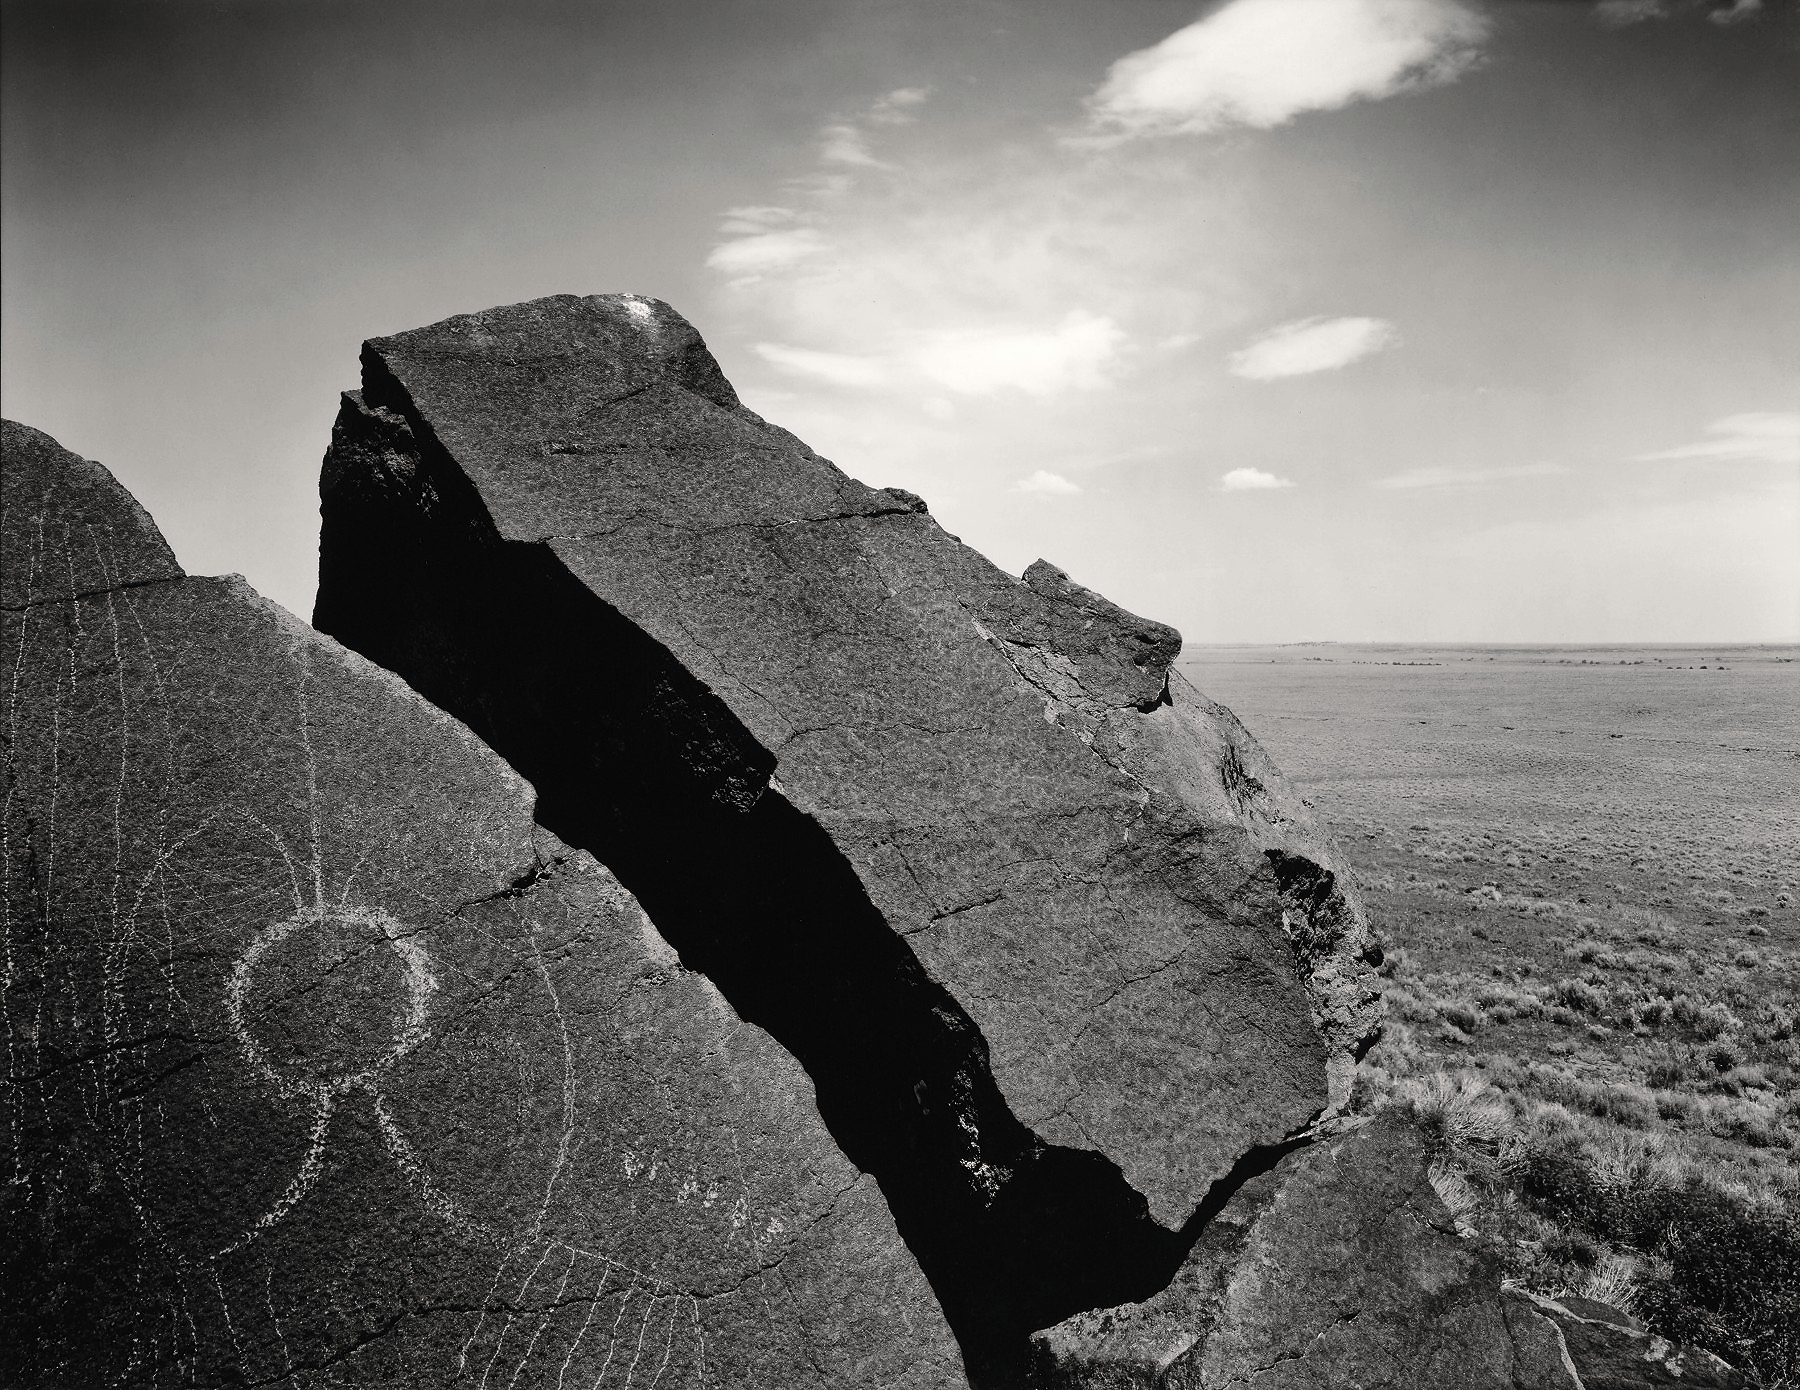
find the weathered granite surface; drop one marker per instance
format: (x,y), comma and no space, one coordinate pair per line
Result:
(1055,942)
(1337,1269)
(327,1067)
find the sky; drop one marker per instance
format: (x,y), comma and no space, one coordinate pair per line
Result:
(1276,320)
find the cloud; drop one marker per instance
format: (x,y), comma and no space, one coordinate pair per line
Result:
(1250,480)
(982,276)
(1739,11)
(845,144)
(896,107)
(1621,12)
(1262,62)
(1312,345)
(834,368)
(1073,356)
(1758,437)
(1047,483)
(1465,477)
(749,220)
(761,240)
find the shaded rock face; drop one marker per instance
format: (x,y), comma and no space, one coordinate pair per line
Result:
(1338,1267)
(1056,944)
(326,1066)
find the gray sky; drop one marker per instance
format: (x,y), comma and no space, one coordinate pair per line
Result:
(1279,319)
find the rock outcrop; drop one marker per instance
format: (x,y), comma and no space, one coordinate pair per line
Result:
(985,1022)
(326,1066)
(1339,1267)
(1061,952)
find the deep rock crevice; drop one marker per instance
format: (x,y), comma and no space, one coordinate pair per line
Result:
(1252,1164)
(635,760)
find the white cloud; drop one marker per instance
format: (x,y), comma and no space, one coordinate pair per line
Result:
(845,144)
(1311,345)
(1620,13)
(1741,10)
(1758,437)
(1623,12)
(1250,480)
(1046,482)
(1263,62)
(760,252)
(1465,477)
(835,368)
(896,107)
(956,271)
(749,220)
(1073,356)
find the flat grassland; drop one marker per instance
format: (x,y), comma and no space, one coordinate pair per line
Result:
(1585,863)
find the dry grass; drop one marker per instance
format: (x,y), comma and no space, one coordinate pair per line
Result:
(1587,878)
(1615,1279)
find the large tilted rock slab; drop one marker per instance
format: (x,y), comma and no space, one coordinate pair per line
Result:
(1025,904)
(1337,1269)
(327,1067)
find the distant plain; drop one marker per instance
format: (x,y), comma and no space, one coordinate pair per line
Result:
(1555,838)
(1584,863)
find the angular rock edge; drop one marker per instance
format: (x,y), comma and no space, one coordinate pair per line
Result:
(900,1068)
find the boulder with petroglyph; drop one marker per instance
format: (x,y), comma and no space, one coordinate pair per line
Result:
(326,1066)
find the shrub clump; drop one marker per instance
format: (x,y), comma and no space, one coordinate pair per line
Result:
(1724,1267)
(1626,1216)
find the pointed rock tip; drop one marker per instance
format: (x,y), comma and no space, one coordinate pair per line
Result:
(1151,645)
(632,339)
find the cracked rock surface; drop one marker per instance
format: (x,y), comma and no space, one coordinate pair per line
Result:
(1337,1269)
(1055,942)
(328,1067)
(1611,1350)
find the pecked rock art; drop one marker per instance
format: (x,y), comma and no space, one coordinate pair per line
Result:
(1063,955)
(327,1067)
